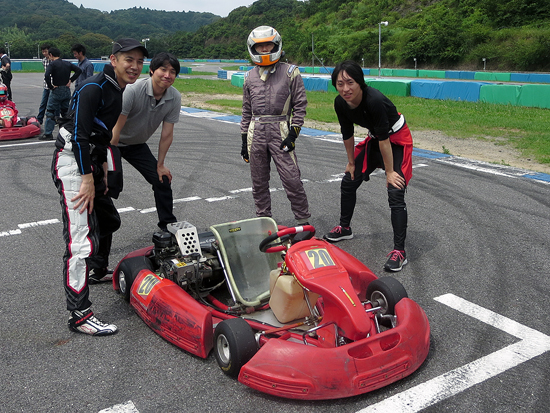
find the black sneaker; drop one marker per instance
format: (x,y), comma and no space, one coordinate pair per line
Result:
(85,322)
(100,275)
(46,137)
(339,233)
(396,260)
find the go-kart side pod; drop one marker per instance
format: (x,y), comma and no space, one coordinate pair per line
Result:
(172,313)
(19,132)
(296,371)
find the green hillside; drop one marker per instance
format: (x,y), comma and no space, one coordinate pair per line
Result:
(25,23)
(510,34)
(445,34)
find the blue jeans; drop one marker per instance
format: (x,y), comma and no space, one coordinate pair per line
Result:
(43,104)
(58,103)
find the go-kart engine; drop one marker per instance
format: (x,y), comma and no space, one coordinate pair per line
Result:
(196,273)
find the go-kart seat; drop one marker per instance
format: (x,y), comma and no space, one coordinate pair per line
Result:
(246,267)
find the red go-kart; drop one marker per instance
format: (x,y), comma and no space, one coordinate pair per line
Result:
(12,128)
(287,313)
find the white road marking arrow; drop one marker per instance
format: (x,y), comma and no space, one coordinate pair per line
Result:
(533,343)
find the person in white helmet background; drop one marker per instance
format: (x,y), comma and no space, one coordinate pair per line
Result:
(274,107)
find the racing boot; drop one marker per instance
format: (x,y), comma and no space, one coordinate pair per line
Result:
(100,275)
(85,322)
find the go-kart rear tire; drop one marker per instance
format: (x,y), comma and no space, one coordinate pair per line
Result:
(386,292)
(234,345)
(128,271)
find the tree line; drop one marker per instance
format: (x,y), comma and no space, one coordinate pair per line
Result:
(26,24)
(445,34)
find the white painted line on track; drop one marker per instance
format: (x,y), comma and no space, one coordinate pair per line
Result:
(188,199)
(10,232)
(27,225)
(238,191)
(16,144)
(38,223)
(221,198)
(127,407)
(533,343)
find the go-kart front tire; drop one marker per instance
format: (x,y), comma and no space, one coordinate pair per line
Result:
(386,292)
(128,271)
(234,345)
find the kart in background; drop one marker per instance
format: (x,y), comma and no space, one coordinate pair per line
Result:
(22,129)
(301,320)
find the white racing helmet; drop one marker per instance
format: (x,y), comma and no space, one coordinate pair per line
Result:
(264,34)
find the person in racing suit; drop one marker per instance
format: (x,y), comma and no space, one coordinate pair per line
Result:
(274,107)
(8,110)
(78,171)
(388,146)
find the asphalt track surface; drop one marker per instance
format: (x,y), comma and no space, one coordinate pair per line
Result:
(478,245)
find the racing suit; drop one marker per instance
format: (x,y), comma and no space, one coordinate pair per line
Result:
(81,148)
(8,114)
(274,98)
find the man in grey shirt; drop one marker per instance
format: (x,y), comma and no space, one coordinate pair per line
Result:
(146,104)
(87,67)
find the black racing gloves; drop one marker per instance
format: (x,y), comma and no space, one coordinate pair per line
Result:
(244,148)
(288,144)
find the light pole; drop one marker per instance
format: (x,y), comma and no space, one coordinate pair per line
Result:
(145,41)
(484,63)
(414,63)
(380,45)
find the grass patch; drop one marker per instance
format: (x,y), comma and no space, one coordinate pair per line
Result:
(231,105)
(526,129)
(193,73)
(207,86)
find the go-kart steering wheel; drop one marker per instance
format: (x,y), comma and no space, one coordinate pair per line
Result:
(267,244)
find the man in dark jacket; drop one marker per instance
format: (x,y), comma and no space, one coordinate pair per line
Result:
(5,71)
(79,175)
(58,79)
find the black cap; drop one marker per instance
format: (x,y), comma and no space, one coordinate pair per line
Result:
(127,44)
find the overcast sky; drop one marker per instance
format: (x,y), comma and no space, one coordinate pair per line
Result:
(218,7)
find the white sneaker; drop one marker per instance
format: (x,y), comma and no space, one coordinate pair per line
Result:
(85,322)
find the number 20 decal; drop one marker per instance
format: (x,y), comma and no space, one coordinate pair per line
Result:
(319,258)
(147,284)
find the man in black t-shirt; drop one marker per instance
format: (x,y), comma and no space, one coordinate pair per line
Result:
(388,146)
(58,80)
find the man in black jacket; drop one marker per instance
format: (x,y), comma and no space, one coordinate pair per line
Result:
(79,175)
(5,71)
(58,79)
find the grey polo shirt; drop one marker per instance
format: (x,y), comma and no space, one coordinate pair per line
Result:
(144,114)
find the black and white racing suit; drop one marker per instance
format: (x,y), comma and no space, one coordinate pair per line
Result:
(81,148)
